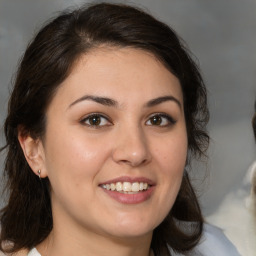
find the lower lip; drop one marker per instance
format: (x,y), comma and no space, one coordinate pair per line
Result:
(130,198)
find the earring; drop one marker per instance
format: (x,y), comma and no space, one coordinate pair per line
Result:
(39,174)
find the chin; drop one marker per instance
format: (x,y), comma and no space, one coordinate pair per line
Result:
(133,234)
(132,228)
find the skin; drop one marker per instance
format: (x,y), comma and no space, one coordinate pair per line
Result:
(130,139)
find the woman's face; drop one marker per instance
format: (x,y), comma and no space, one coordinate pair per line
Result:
(115,144)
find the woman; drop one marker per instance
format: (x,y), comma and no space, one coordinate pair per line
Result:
(106,113)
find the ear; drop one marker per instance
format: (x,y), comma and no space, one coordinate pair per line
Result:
(34,153)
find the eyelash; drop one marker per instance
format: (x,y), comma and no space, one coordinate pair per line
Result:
(160,116)
(95,115)
(170,120)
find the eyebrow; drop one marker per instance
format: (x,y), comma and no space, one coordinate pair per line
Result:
(113,103)
(101,100)
(162,99)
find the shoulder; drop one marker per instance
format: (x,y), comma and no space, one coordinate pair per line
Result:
(215,243)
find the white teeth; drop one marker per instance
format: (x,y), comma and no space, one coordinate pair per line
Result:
(119,186)
(126,187)
(135,187)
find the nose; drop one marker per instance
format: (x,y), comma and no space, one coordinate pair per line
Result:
(131,147)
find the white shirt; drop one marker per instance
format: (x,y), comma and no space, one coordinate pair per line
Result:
(215,243)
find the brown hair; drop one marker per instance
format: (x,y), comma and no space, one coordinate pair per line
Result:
(26,219)
(254,121)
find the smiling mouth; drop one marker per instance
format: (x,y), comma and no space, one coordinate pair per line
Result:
(127,187)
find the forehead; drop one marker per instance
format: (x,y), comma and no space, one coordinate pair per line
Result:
(120,72)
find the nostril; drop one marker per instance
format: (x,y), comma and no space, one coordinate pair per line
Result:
(132,159)
(131,148)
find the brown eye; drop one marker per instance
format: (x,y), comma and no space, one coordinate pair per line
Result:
(156,120)
(96,120)
(161,120)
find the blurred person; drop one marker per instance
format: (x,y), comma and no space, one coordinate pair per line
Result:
(236,215)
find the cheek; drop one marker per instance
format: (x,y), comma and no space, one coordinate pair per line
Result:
(172,156)
(73,156)
(171,159)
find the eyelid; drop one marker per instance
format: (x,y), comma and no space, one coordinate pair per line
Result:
(101,115)
(170,119)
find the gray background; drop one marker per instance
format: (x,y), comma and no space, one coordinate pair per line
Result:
(220,33)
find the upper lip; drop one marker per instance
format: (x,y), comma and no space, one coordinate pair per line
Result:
(129,179)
